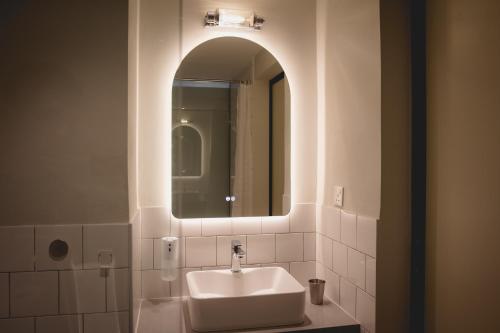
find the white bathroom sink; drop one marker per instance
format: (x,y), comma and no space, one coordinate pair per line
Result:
(255,297)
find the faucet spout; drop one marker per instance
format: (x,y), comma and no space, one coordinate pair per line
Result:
(237,254)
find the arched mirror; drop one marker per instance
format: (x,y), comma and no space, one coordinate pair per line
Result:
(231,132)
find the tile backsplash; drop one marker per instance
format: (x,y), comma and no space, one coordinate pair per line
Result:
(346,259)
(46,291)
(285,241)
(312,241)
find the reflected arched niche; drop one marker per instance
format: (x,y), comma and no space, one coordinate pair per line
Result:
(186,152)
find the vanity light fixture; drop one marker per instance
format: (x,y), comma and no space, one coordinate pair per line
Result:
(185,121)
(233,18)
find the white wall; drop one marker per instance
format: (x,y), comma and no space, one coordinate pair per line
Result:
(349,152)
(159,58)
(349,114)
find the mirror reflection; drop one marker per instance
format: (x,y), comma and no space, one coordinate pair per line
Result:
(230,132)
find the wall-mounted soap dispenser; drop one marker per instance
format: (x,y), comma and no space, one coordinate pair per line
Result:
(169,258)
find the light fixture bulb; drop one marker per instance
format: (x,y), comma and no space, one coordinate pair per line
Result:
(184,121)
(234,18)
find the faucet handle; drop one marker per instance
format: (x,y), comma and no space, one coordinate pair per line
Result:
(236,247)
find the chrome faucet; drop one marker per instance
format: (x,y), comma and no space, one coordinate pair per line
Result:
(237,254)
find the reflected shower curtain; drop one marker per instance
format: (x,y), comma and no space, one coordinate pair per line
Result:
(243,173)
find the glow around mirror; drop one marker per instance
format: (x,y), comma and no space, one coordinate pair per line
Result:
(231,132)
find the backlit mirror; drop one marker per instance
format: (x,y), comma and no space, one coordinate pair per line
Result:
(230,132)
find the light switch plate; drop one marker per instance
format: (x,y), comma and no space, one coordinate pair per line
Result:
(339,196)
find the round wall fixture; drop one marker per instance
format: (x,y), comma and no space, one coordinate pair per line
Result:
(58,250)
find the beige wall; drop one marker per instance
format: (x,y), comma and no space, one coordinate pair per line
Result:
(463,166)
(393,232)
(349,112)
(63,119)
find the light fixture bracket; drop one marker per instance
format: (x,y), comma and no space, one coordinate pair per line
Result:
(233,18)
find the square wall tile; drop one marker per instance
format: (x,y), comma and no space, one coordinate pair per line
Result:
(60,324)
(348,229)
(303,271)
(136,252)
(82,291)
(321,219)
(367,235)
(309,246)
(224,252)
(356,267)
(332,287)
(348,297)
(146,254)
(333,222)
(261,249)
(182,253)
(371,275)
(33,294)
(185,227)
(201,251)
(111,322)
(339,262)
(247,225)
(275,224)
(303,218)
(153,286)
(17,325)
(320,270)
(155,222)
(365,310)
(106,237)
(135,221)
(118,290)
(70,234)
(17,248)
(136,284)
(332,282)
(216,227)
(289,247)
(4,295)
(179,286)
(324,251)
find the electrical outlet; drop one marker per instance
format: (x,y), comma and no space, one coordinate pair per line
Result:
(339,196)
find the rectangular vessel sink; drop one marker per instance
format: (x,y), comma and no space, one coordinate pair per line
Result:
(252,298)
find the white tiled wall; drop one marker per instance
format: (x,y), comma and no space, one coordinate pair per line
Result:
(205,244)
(313,241)
(352,272)
(41,294)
